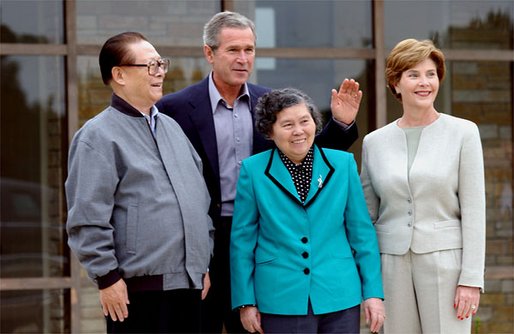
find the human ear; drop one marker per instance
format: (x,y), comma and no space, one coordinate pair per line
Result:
(208,53)
(396,89)
(118,75)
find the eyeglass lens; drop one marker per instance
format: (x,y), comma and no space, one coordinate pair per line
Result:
(153,66)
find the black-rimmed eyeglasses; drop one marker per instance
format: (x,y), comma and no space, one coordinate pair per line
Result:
(154,65)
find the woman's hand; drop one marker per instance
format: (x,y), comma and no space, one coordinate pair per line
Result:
(251,319)
(467,299)
(375,313)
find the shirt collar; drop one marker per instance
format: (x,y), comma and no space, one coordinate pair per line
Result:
(216,97)
(123,106)
(153,112)
(306,163)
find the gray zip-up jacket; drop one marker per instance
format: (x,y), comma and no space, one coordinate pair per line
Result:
(138,204)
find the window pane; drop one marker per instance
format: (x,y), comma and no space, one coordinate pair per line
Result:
(317,78)
(94,96)
(32,21)
(163,22)
(452,24)
(302,23)
(33,109)
(34,311)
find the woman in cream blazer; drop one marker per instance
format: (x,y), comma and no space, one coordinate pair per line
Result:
(423,179)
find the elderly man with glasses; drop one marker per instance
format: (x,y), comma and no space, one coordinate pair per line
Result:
(138,205)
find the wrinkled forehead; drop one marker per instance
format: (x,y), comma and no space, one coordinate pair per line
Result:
(143,51)
(236,36)
(294,111)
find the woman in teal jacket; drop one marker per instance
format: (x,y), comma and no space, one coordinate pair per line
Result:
(304,253)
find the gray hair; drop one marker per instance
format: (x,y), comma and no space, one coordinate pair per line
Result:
(221,20)
(273,102)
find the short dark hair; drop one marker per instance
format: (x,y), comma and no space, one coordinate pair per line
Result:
(273,102)
(115,51)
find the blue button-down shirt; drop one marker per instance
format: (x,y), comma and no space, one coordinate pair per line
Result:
(234,138)
(152,118)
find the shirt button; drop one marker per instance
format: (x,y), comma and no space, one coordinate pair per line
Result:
(409,224)
(305,255)
(306,271)
(305,240)
(410,213)
(409,200)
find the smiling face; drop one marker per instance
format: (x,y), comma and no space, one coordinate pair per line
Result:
(232,62)
(137,87)
(293,132)
(419,85)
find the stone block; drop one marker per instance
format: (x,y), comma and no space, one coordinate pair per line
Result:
(509,299)
(96,326)
(501,327)
(492,286)
(504,260)
(488,131)
(92,312)
(461,68)
(507,286)
(506,133)
(496,247)
(503,313)
(492,299)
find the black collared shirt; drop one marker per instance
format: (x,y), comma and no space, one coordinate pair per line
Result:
(301,173)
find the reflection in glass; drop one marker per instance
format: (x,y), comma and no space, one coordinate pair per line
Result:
(33,105)
(163,22)
(31,21)
(317,77)
(331,24)
(34,311)
(451,24)
(94,96)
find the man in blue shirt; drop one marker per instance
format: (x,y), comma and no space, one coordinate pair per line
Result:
(217,116)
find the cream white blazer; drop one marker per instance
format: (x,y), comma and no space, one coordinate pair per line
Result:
(440,203)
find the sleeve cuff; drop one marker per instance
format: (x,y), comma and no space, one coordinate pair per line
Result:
(108,280)
(343,125)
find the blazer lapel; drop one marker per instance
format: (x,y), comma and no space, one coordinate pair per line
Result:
(202,118)
(322,171)
(277,172)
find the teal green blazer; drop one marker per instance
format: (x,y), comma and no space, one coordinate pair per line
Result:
(284,252)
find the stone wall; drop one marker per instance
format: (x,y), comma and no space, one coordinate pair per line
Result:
(482,92)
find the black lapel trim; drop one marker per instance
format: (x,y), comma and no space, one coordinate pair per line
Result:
(327,179)
(276,182)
